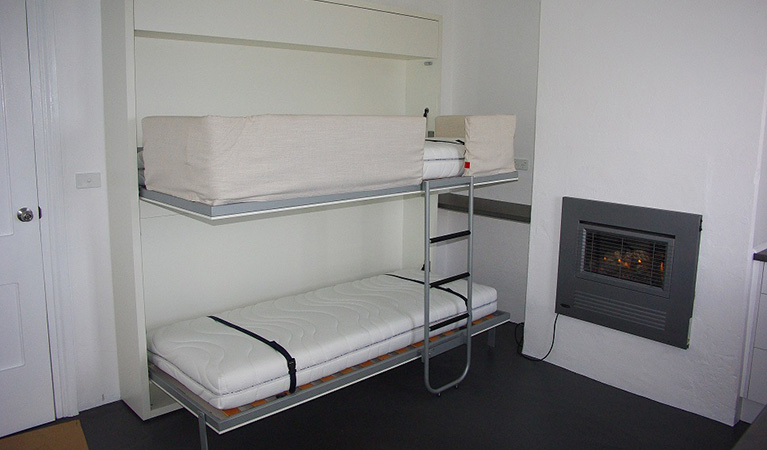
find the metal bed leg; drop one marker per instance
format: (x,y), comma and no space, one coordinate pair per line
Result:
(203,426)
(491,338)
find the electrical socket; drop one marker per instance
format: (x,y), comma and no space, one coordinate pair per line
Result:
(521,164)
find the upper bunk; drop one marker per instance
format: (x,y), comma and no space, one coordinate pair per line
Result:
(222,167)
(285,57)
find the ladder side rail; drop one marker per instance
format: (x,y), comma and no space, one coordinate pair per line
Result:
(426,280)
(427,288)
(470,269)
(470,257)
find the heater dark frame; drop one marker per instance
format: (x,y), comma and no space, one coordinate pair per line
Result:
(661,314)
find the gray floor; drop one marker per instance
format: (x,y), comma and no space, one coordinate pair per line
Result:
(506,402)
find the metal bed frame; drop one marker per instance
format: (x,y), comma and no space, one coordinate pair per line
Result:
(233,210)
(222,421)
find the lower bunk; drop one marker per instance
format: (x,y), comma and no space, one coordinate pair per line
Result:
(229,376)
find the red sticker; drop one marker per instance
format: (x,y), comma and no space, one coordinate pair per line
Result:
(467,165)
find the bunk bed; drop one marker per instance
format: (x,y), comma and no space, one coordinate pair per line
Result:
(241,365)
(169,274)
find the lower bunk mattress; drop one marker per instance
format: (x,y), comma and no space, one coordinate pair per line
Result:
(325,331)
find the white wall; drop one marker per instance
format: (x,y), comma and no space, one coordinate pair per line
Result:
(494,70)
(81,114)
(500,257)
(444,8)
(654,104)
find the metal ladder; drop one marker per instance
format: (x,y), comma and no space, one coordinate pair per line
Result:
(428,185)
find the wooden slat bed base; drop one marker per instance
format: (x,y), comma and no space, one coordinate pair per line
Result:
(225,420)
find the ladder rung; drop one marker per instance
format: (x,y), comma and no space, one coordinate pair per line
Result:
(449,279)
(447,237)
(446,322)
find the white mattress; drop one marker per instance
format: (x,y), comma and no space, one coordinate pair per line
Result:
(443,158)
(325,331)
(489,141)
(218,160)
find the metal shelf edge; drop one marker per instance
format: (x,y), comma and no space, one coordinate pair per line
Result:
(234,210)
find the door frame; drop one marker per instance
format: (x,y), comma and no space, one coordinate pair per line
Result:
(50,180)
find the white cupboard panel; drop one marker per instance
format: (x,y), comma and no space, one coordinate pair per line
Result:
(760,338)
(764,271)
(6,226)
(315,24)
(240,57)
(12,348)
(757,386)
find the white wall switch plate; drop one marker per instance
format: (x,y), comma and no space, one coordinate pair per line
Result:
(87,180)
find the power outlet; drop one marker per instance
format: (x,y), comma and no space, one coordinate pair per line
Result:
(521,164)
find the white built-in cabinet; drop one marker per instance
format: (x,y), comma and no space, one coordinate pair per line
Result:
(244,57)
(754,389)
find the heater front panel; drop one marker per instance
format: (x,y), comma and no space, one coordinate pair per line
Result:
(628,268)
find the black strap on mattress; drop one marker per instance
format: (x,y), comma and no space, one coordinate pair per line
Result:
(277,347)
(447,141)
(465,300)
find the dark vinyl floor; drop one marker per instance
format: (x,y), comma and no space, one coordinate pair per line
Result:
(506,402)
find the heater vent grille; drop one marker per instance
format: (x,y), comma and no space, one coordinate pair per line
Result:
(625,255)
(625,311)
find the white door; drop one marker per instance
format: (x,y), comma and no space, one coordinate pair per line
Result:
(26,387)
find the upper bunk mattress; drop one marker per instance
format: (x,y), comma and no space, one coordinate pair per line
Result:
(443,158)
(489,141)
(325,331)
(218,160)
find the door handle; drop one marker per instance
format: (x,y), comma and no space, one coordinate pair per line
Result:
(25,214)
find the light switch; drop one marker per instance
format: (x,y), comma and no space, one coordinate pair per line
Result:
(87,180)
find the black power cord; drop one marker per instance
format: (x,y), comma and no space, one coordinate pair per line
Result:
(521,340)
